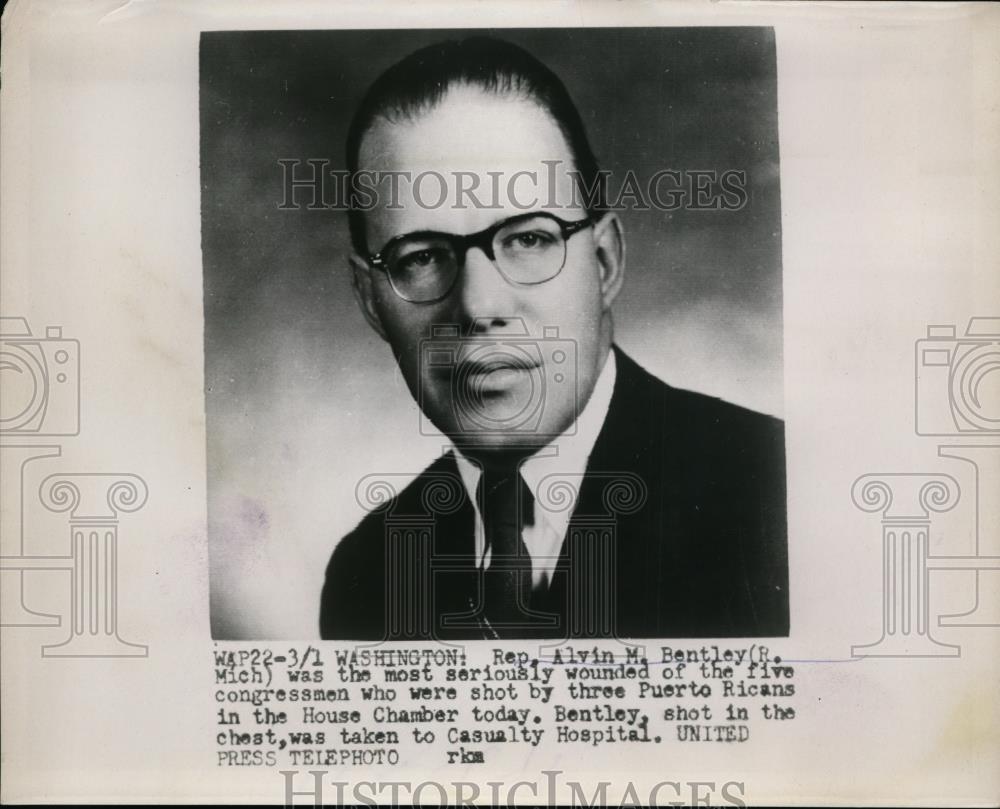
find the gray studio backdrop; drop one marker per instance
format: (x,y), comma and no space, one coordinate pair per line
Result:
(303,399)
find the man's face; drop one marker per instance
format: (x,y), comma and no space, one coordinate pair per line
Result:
(501,380)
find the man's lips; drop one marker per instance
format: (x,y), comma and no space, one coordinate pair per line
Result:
(492,376)
(484,367)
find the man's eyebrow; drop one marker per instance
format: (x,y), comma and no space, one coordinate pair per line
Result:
(424,232)
(432,232)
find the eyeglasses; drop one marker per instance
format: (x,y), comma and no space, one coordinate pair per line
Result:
(528,249)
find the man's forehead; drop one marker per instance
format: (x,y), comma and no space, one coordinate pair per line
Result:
(468,130)
(507,148)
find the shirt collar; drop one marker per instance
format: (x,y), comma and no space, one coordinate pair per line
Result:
(563,459)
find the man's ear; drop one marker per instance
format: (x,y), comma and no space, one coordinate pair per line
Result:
(609,239)
(364,293)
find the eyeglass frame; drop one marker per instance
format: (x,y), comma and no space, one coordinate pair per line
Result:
(483,239)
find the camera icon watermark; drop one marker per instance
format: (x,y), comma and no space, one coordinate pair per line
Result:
(39,381)
(958,379)
(39,403)
(957,396)
(479,387)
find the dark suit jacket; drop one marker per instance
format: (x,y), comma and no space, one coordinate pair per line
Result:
(695,548)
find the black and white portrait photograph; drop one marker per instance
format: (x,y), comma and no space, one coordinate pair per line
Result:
(566,403)
(493,333)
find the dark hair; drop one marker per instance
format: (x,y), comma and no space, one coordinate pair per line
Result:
(419,82)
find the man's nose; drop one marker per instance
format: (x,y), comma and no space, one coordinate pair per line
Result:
(484,295)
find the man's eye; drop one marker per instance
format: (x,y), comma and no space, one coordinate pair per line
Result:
(422,259)
(529,240)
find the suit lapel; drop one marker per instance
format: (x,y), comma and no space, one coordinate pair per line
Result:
(629,447)
(454,565)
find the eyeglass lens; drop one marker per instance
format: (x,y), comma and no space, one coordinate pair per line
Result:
(528,251)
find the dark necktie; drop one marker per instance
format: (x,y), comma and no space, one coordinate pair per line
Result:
(507,506)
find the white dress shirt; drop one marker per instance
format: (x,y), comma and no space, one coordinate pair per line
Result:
(565,457)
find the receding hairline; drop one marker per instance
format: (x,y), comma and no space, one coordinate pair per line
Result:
(415,112)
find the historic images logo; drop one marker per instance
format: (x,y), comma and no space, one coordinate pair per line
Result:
(40,384)
(313,185)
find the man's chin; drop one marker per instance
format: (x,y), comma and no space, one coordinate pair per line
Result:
(485,443)
(500,430)
(515,442)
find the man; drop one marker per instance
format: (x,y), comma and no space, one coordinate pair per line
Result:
(581,496)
